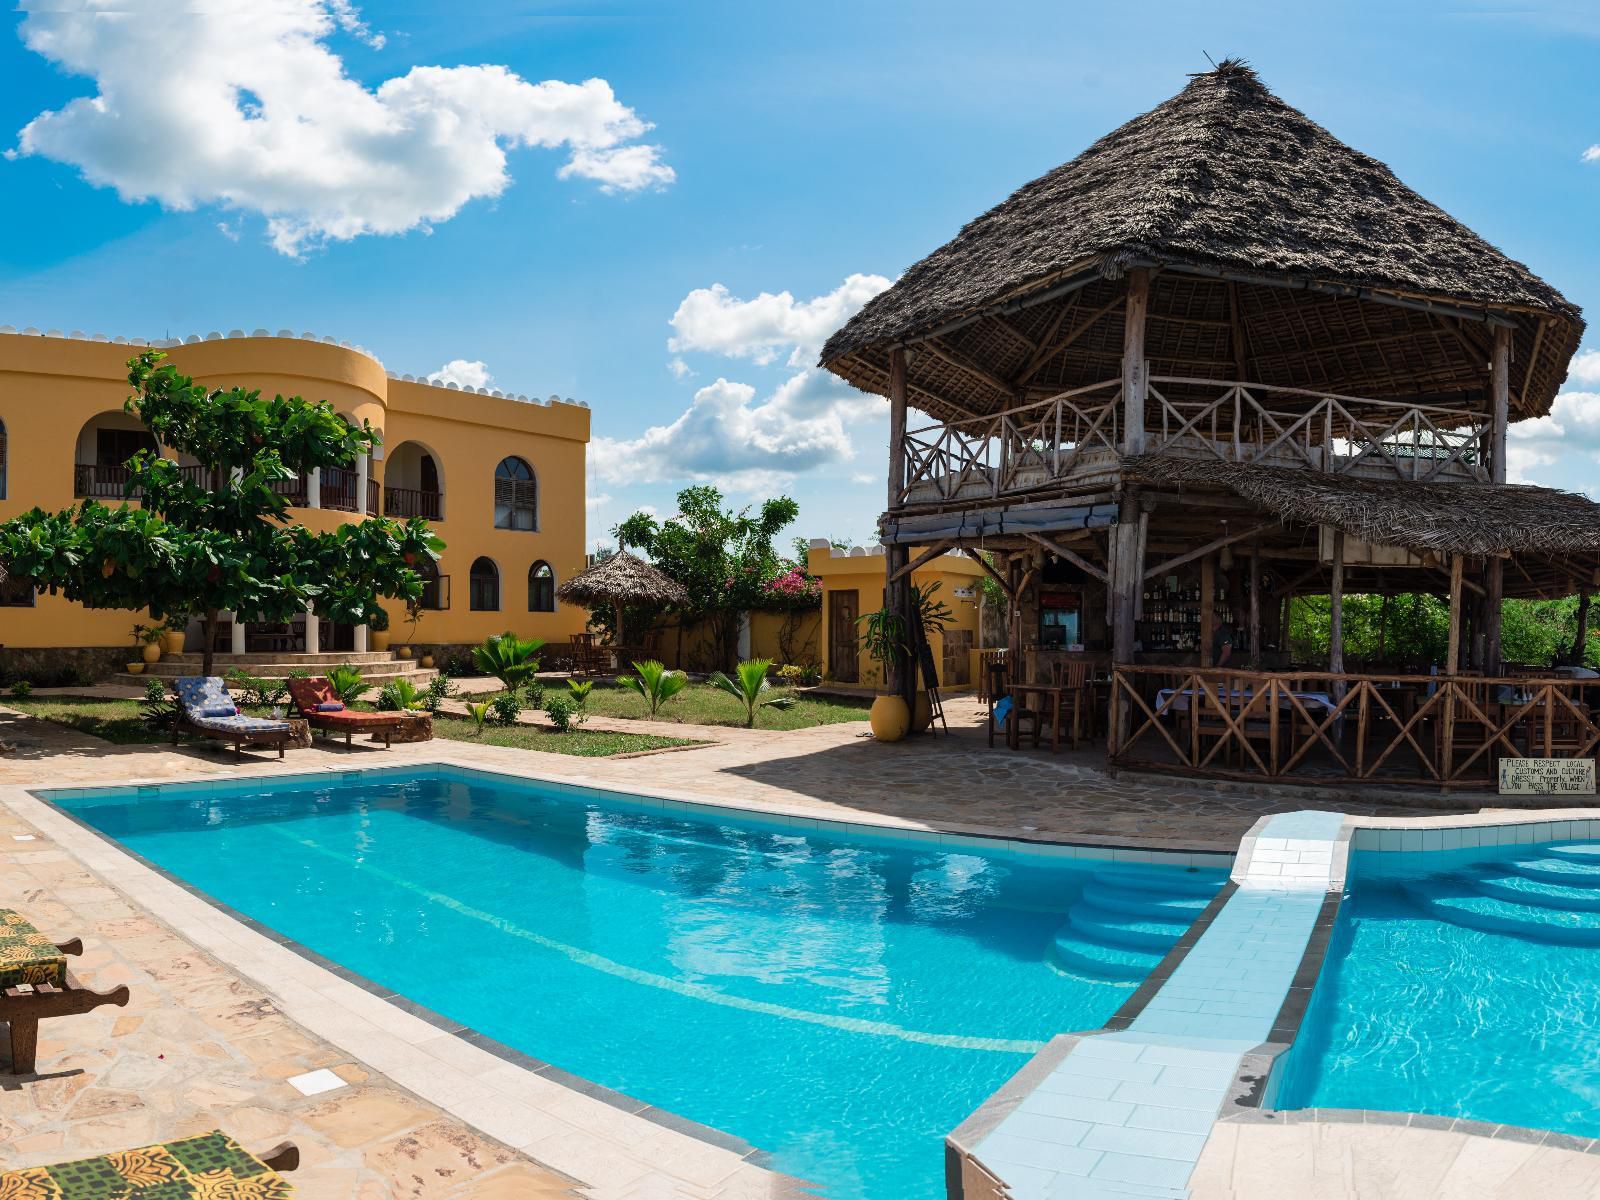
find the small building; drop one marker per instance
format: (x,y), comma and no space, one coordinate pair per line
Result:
(500,478)
(1218,361)
(854,583)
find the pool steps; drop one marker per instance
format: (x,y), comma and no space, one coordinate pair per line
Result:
(1552,895)
(1126,920)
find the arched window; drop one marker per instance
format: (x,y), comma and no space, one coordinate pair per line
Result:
(516,495)
(435,591)
(541,588)
(484,586)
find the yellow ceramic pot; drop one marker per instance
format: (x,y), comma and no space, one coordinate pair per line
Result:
(922,715)
(890,718)
(425,661)
(172,642)
(378,639)
(152,652)
(136,668)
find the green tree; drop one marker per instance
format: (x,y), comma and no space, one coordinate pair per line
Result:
(222,541)
(724,559)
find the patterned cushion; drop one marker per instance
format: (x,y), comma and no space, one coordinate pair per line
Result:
(199,692)
(238,724)
(209,1167)
(308,693)
(27,956)
(330,706)
(220,710)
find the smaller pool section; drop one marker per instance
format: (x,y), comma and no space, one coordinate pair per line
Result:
(840,1002)
(1461,983)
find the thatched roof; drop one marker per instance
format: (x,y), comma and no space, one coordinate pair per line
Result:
(622,579)
(1446,518)
(1231,194)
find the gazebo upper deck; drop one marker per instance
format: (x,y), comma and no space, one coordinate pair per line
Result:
(1218,278)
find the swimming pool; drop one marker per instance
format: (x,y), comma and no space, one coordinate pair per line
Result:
(1461,983)
(839,1002)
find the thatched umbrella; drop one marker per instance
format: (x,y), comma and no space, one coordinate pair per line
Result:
(620,580)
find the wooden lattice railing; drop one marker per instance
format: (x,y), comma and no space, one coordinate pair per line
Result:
(1323,728)
(1040,443)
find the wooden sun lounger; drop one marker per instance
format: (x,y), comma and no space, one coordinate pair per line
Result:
(308,693)
(193,1168)
(237,738)
(35,984)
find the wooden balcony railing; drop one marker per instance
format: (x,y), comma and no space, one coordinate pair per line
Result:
(1446,732)
(105,482)
(295,490)
(411,502)
(1077,432)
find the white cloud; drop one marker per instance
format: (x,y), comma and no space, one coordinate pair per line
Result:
(711,319)
(1592,154)
(600,501)
(256,114)
(679,369)
(1585,367)
(467,373)
(1571,430)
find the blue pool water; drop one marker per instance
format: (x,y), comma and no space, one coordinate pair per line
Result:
(840,1003)
(1463,984)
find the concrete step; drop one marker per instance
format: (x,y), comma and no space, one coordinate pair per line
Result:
(379,673)
(327,658)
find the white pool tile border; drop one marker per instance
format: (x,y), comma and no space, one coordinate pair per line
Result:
(451,1072)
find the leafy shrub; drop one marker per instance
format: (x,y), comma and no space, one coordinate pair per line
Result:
(347,683)
(535,694)
(505,708)
(750,687)
(22,689)
(564,712)
(654,682)
(799,674)
(510,659)
(256,692)
(440,688)
(155,709)
(580,688)
(479,712)
(400,695)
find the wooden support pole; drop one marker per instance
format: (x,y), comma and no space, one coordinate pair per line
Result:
(1255,605)
(1336,607)
(928,555)
(1208,607)
(1071,556)
(1581,639)
(901,675)
(1453,653)
(1494,589)
(1135,378)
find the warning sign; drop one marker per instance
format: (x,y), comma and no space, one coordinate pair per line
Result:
(1547,776)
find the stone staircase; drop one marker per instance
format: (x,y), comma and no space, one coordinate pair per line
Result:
(377,666)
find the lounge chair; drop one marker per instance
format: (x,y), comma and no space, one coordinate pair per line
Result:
(35,984)
(205,708)
(193,1168)
(315,700)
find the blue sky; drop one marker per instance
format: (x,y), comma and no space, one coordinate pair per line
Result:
(671,245)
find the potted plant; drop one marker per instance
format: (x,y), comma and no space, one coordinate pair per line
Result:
(883,635)
(136,668)
(173,633)
(413,619)
(150,637)
(378,631)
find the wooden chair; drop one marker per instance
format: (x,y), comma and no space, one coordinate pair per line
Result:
(1215,718)
(35,984)
(998,689)
(1072,677)
(310,694)
(199,693)
(209,1164)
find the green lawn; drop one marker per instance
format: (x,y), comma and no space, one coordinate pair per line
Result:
(586,743)
(702,704)
(114,720)
(118,721)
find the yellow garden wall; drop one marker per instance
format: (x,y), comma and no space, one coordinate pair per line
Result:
(51,387)
(778,637)
(863,573)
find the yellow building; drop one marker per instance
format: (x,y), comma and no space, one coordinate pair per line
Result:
(500,478)
(852,585)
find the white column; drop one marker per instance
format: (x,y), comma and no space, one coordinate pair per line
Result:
(361,639)
(314,488)
(744,636)
(363,472)
(313,632)
(238,633)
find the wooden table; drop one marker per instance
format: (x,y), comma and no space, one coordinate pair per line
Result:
(1020,691)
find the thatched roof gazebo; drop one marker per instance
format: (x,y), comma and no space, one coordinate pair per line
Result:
(620,580)
(1218,361)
